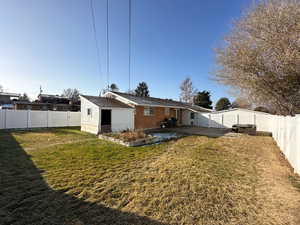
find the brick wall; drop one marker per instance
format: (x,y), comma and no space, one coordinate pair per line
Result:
(144,122)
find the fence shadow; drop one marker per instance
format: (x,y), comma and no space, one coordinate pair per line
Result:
(25,197)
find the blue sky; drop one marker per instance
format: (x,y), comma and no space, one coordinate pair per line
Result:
(51,43)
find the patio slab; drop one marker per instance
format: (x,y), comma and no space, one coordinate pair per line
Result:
(203,131)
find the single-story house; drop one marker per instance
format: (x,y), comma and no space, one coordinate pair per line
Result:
(20,105)
(7,100)
(116,111)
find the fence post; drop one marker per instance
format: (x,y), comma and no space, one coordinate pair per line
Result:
(209,121)
(47,118)
(238,119)
(223,120)
(254,118)
(5,125)
(68,118)
(297,144)
(27,118)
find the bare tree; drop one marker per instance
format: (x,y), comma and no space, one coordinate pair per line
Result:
(71,93)
(187,90)
(241,103)
(261,55)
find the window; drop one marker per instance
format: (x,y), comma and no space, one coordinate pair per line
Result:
(192,115)
(148,111)
(167,111)
(89,112)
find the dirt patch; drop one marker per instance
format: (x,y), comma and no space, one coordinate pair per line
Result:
(280,199)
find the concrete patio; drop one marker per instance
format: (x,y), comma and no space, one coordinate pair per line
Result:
(202,131)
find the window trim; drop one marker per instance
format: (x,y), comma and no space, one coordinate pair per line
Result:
(149,111)
(89,112)
(167,111)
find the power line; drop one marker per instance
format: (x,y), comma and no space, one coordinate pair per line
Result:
(95,36)
(107,42)
(129,46)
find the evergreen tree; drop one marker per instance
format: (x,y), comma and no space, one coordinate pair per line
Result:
(114,87)
(202,99)
(223,104)
(24,98)
(142,90)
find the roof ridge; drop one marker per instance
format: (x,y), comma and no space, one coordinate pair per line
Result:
(124,93)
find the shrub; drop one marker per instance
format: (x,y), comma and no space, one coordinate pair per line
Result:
(129,135)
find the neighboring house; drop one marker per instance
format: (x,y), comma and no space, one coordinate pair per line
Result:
(7,100)
(53,99)
(117,111)
(44,106)
(49,102)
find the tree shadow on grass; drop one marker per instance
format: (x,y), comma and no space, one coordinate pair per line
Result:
(25,198)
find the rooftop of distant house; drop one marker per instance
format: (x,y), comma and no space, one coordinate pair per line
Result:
(9,94)
(52,96)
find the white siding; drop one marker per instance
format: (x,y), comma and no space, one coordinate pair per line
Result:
(89,123)
(186,118)
(122,119)
(203,119)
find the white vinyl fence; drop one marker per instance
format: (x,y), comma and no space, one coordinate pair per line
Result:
(285,129)
(226,120)
(286,133)
(13,119)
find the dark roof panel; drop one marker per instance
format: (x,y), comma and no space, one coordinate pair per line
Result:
(106,102)
(150,101)
(9,94)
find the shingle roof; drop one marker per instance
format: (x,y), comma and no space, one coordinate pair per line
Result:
(106,102)
(52,96)
(198,108)
(9,94)
(150,101)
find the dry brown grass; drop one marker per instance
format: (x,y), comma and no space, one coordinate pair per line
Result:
(194,180)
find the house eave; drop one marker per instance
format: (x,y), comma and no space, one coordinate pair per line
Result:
(125,99)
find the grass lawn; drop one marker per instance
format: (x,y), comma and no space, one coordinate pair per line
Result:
(64,176)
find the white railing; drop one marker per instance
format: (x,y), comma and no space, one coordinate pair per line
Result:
(21,119)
